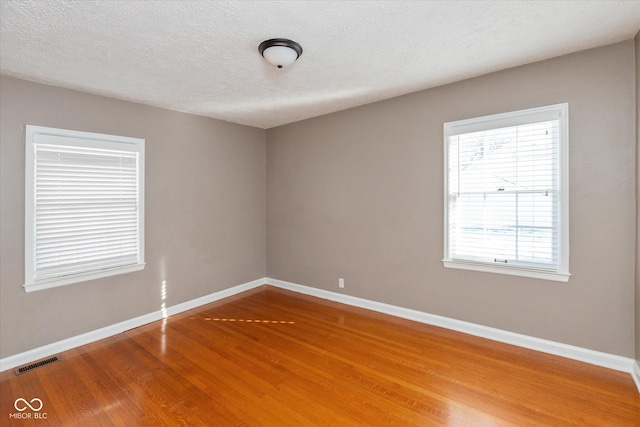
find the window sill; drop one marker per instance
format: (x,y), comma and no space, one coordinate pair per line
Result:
(510,270)
(39,285)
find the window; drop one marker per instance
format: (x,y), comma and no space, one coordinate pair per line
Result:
(506,193)
(84,206)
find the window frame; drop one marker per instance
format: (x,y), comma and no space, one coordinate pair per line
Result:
(80,139)
(514,118)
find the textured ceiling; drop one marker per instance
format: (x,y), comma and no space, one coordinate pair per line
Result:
(202,57)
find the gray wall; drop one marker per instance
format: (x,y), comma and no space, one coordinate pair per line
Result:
(359,194)
(637,44)
(205,212)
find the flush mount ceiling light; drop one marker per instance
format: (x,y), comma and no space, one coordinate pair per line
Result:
(280,52)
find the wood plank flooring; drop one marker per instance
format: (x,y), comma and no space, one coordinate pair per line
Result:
(270,357)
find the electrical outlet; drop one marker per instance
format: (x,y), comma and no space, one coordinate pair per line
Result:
(341,282)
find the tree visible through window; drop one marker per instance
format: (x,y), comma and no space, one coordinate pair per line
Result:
(506,193)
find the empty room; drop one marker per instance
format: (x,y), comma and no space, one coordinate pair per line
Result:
(319,213)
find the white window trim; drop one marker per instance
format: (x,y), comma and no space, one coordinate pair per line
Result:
(514,118)
(31,284)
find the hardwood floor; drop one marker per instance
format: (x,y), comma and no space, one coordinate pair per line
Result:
(270,357)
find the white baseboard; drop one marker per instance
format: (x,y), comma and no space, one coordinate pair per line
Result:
(19,359)
(593,357)
(635,374)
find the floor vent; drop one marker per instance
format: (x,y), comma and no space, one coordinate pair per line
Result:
(32,366)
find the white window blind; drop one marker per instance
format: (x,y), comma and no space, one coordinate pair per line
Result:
(506,196)
(84,206)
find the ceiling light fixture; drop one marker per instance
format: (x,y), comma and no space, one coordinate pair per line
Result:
(280,52)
